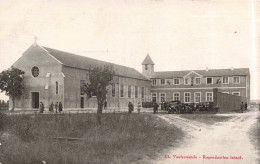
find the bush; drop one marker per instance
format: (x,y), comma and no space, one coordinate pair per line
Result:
(147,104)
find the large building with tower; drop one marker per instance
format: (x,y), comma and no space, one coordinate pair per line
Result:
(194,86)
(57,76)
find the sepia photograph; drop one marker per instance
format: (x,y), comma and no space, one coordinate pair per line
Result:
(120,81)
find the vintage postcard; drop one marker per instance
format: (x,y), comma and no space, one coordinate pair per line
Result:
(120,81)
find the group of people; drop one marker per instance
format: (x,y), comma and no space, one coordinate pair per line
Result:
(131,107)
(243,106)
(58,107)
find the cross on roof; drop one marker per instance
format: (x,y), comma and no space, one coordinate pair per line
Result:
(35,39)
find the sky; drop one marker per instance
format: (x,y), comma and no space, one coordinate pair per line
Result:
(177,34)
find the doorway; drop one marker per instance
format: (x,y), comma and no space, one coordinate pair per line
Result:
(81,102)
(35,99)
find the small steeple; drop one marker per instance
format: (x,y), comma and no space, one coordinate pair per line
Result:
(148,67)
(148,60)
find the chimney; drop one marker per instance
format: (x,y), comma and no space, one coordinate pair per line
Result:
(207,69)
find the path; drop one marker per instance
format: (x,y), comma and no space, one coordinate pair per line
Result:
(221,139)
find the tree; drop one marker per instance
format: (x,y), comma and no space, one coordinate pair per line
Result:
(11,82)
(99,79)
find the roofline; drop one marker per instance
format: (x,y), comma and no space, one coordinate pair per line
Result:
(192,72)
(50,54)
(115,74)
(202,70)
(201,76)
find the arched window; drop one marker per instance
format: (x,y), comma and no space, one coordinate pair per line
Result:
(35,71)
(57,87)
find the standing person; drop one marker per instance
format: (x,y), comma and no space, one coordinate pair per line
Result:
(162,105)
(105,105)
(41,107)
(51,107)
(245,105)
(242,107)
(139,107)
(129,107)
(155,107)
(56,107)
(60,107)
(132,107)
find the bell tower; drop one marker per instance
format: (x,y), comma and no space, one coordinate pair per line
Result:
(148,67)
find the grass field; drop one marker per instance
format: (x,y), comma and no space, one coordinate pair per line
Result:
(122,138)
(208,119)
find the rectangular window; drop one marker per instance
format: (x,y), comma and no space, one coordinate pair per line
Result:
(209,80)
(142,92)
(146,67)
(162,81)
(57,87)
(129,91)
(236,80)
(136,92)
(187,96)
(225,80)
(186,81)
(82,83)
(197,80)
(176,81)
(168,82)
(226,92)
(197,97)
(209,96)
(162,97)
(113,90)
(176,96)
(154,97)
(121,90)
(236,93)
(154,82)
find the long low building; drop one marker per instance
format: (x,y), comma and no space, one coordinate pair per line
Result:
(56,76)
(194,86)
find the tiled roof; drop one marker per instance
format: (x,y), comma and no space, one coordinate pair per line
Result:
(209,73)
(83,62)
(147,60)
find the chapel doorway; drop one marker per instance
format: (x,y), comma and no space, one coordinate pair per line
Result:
(81,102)
(35,99)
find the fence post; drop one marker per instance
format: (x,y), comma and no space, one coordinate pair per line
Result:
(215,98)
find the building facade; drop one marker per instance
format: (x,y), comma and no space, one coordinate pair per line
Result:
(56,76)
(194,86)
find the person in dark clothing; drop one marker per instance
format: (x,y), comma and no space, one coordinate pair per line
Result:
(105,105)
(242,107)
(41,107)
(130,107)
(51,107)
(56,106)
(162,106)
(246,106)
(60,107)
(155,107)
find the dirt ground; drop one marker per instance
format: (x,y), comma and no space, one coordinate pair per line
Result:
(212,143)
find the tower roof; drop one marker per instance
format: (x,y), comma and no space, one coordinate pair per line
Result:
(148,60)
